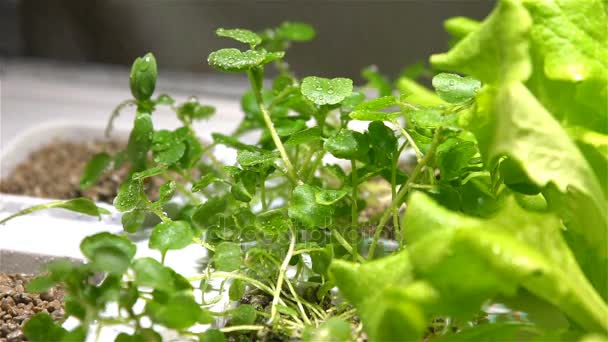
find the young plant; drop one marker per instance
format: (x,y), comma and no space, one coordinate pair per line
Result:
(505,203)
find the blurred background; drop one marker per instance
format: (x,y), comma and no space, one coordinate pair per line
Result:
(351,33)
(69,59)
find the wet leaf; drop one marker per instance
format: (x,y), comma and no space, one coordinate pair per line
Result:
(171,235)
(454,88)
(235,60)
(241,35)
(228,257)
(324,91)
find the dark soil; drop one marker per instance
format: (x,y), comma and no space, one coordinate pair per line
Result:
(17,306)
(54,171)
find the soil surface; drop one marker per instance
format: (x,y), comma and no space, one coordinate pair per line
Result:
(54,171)
(17,306)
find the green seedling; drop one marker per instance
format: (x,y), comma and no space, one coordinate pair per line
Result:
(504,203)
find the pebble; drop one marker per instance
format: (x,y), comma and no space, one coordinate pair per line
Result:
(17,306)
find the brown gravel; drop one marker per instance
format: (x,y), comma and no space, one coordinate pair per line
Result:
(54,171)
(17,306)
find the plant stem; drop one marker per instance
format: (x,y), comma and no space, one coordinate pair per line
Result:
(158,212)
(273,133)
(410,140)
(354,212)
(297,300)
(241,327)
(346,245)
(224,275)
(115,114)
(403,191)
(281,277)
(394,194)
(204,244)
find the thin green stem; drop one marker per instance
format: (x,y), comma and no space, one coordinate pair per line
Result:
(158,212)
(115,114)
(354,212)
(270,125)
(281,277)
(298,303)
(341,240)
(410,140)
(224,275)
(403,191)
(204,244)
(394,194)
(242,327)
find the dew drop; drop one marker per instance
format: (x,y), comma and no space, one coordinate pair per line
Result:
(452,83)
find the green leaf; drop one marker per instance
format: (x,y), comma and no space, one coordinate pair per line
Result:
(94,169)
(42,328)
(512,122)
(204,213)
(572,38)
(80,205)
(164,99)
(140,141)
(324,91)
(460,27)
(383,140)
(168,147)
(377,80)
(229,141)
(171,235)
(482,53)
(295,31)
(241,35)
(237,289)
(272,221)
(143,77)
(212,335)
(352,101)
(151,273)
(374,115)
(288,127)
(228,257)
(180,311)
(108,252)
(334,329)
(415,93)
(132,220)
(347,144)
(243,314)
(147,173)
(129,196)
(378,290)
(431,118)
(234,60)
(377,104)
(193,110)
(495,332)
(166,192)
(329,197)
(470,260)
(306,136)
(40,284)
(205,181)
(304,208)
(454,157)
(254,158)
(453,88)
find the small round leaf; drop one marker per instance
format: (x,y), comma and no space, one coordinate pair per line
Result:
(324,91)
